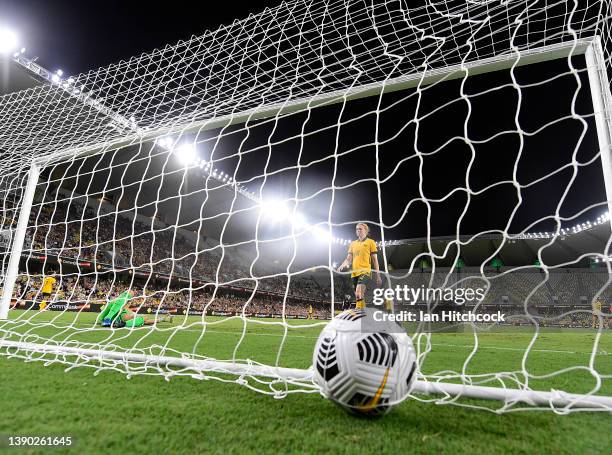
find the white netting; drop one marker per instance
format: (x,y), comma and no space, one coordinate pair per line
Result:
(216,179)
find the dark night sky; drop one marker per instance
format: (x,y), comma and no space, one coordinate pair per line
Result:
(445,170)
(79,36)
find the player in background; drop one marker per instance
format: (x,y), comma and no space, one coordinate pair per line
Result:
(310,312)
(362,256)
(116,313)
(597,305)
(47,289)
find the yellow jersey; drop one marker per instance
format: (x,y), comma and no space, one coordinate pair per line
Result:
(597,305)
(48,285)
(362,256)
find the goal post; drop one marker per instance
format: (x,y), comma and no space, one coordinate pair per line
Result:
(600,93)
(18,238)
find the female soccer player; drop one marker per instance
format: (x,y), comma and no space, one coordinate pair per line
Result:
(362,256)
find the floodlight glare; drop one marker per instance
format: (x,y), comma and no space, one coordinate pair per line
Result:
(321,234)
(165,142)
(275,210)
(8,41)
(299,220)
(186,154)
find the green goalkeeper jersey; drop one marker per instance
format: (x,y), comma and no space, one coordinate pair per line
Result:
(114,308)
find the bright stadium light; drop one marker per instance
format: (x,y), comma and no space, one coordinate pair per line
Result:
(321,234)
(8,41)
(275,210)
(165,142)
(186,154)
(299,220)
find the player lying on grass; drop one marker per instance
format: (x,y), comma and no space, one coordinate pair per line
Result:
(116,313)
(362,255)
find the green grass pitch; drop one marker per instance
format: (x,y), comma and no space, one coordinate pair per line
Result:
(185,415)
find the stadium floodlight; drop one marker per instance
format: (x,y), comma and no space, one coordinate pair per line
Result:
(165,142)
(298,220)
(8,41)
(186,154)
(275,210)
(321,234)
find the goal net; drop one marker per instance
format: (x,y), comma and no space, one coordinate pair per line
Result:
(215,185)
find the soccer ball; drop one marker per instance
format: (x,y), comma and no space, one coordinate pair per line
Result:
(363,365)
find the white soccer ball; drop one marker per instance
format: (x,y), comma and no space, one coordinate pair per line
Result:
(364,366)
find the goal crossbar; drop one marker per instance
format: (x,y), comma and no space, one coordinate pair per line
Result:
(412,80)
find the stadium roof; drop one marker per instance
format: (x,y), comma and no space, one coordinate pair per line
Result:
(14,77)
(573,250)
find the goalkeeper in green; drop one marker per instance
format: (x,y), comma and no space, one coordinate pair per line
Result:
(117,314)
